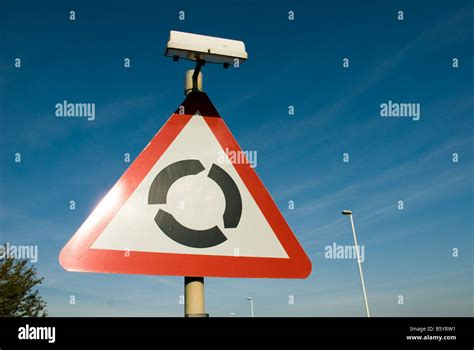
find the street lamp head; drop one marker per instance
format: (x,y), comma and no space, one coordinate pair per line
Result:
(346,212)
(249,298)
(205,48)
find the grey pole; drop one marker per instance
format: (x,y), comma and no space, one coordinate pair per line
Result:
(194,297)
(193,79)
(348,212)
(194,286)
(251,305)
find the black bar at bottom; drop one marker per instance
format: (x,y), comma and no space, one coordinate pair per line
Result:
(408,332)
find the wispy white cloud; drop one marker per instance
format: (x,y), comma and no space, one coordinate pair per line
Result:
(47,130)
(445,33)
(409,169)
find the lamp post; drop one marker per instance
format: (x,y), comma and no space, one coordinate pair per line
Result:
(251,304)
(349,213)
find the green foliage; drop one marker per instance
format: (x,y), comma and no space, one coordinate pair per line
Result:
(18,296)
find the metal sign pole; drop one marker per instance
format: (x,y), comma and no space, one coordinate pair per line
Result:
(194,297)
(194,286)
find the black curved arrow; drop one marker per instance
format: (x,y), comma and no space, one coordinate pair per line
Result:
(186,236)
(166,177)
(233,200)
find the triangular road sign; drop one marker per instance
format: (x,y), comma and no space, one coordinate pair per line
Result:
(188,206)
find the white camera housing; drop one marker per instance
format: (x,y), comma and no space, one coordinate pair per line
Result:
(205,48)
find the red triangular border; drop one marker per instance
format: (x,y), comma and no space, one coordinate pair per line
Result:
(77,255)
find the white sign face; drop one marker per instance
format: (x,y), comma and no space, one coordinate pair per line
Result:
(191,191)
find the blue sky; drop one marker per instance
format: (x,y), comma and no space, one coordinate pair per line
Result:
(407,252)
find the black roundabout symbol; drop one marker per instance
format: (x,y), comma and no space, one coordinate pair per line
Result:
(180,233)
